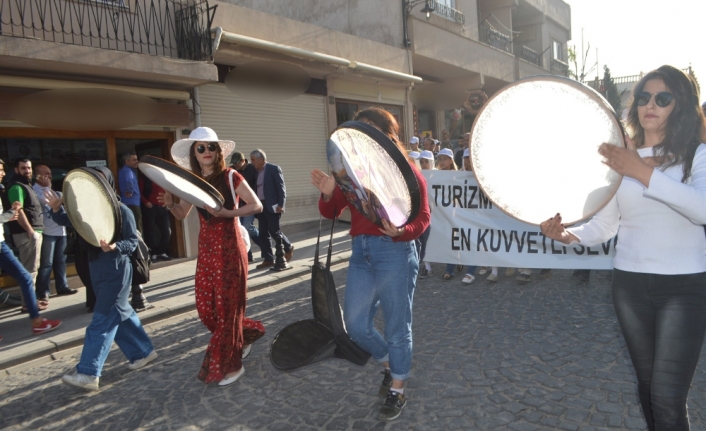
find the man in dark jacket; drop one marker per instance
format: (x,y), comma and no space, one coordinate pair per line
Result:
(272,193)
(27,230)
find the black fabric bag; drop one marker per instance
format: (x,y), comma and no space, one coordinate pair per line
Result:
(141,261)
(312,340)
(71,239)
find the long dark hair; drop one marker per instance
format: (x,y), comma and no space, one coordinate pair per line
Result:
(216,178)
(685,129)
(385,122)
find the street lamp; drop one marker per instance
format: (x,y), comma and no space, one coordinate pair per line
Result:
(407,6)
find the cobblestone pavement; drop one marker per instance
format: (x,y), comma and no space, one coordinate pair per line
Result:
(547,355)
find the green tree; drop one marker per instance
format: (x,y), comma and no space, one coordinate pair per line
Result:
(610,90)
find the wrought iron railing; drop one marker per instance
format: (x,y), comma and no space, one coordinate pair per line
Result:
(169,28)
(494,38)
(448,12)
(528,54)
(558,67)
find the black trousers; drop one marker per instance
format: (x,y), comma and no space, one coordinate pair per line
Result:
(268,223)
(663,319)
(156,219)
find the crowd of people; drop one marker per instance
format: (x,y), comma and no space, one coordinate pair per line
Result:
(657,284)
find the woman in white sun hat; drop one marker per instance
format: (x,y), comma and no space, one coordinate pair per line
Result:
(222,265)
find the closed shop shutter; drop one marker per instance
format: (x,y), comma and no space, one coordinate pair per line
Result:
(291,132)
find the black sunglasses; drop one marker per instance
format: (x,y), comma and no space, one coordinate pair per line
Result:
(202,148)
(662,99)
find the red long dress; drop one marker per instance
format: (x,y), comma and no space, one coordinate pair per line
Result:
(220,287)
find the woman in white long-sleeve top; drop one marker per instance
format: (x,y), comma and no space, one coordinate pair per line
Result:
(659,277)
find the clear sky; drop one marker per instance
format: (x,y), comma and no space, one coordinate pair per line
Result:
(634,36)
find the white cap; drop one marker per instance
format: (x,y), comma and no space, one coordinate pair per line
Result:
(466,153)
(414,154)
(445,152)
(414,140)
(427,155)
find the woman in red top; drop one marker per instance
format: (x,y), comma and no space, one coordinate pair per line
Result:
(222,265)
(382,272)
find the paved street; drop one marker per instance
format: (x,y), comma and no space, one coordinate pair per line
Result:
(543,356)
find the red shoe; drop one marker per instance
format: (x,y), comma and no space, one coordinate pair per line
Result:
(46,326)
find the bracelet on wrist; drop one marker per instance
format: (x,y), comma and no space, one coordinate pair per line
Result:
(170,207)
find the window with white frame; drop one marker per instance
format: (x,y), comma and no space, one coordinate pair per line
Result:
(558,49)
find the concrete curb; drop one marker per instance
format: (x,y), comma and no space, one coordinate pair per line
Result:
(51,349)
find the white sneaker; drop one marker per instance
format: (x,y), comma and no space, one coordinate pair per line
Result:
(509,272)
(246,350)
(468,279)
(230,380)
(83,381)
(483,270)
(144,361)
(492,277)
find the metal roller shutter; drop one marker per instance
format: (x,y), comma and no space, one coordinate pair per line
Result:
(291,132)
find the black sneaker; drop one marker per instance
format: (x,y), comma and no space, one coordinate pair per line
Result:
(423,273)
(392,407)
(140,304)
(386,384)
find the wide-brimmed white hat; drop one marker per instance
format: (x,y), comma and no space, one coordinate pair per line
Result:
(182,147)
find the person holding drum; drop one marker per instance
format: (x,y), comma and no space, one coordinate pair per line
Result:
(659,275)
(111,276)
(382,272)
(222,265)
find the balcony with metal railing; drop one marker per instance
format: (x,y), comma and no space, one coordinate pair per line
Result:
(558,67)
(528,54)
(494,38)
(448,12)
(167,28)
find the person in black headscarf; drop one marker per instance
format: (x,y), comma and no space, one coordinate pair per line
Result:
(113,318)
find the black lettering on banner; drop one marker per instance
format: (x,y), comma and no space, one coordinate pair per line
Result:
(544,244)
(473,195)
(591,252)
(520,244)
(531,242)
(581,249)
(445,202)
(485,203)
(555,251)
(466,239)
(481,240)
(436,188)
(606,245)
(508,244)
(457,193)
(495,248)
(454,238)
(465,190)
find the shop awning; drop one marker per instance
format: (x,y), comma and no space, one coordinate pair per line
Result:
(225,36)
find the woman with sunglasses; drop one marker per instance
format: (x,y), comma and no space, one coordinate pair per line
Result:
(222,265)
(382,273)
(659,276)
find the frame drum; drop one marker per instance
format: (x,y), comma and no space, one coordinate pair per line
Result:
(534,149)
(373,173)
(92,206)
(181,183)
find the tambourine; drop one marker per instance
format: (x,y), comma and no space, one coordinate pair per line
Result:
(373,173)
(181,183)
(92,206)
(534,149)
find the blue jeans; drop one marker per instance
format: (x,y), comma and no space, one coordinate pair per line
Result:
(10,265)
(450,267)
(53,257)
(129,335)
(382,273)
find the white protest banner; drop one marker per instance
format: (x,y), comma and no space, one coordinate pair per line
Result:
(466,228)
